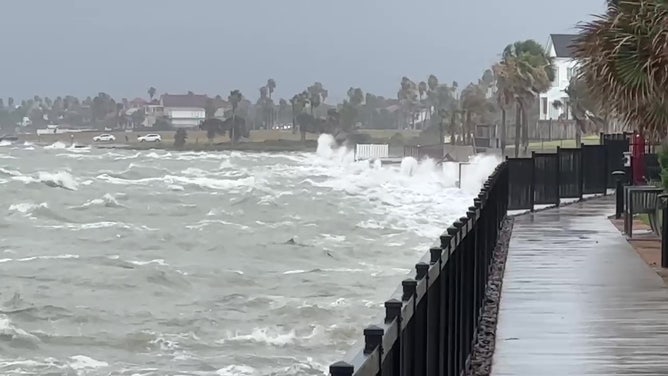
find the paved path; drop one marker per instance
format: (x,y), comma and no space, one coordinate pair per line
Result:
(578,300)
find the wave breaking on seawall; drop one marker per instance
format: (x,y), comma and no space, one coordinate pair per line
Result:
(474,172)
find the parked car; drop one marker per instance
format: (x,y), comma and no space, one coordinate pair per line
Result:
(150,138)
(104,138)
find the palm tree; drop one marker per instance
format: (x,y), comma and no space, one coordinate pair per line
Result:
(316,95)
(234,99)
(504,98)
(623,63)
(151,92)
(282,109)
(442,114)
(525,71)
(408,97)
(271,86)
(473,102)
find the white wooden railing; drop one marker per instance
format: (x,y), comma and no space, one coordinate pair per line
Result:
(371,151)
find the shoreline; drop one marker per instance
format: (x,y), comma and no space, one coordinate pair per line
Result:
(260,141)
(265,146)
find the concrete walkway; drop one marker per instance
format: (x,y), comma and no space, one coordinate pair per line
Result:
(578,300)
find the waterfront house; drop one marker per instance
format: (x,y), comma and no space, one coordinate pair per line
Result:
(559,48)
(184,110)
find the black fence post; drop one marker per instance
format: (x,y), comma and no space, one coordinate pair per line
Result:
(664,230)
(619,207)
(341,369)
(393,312)
(408,340)
(581,177)
(533,183)
(373,338)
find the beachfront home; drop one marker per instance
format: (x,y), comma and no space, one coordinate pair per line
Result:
(559,47)
(184,110)
(152,112)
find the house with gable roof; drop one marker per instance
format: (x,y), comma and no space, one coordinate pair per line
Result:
(184,110)
(559,47)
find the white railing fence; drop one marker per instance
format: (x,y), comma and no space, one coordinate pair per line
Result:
(371,151)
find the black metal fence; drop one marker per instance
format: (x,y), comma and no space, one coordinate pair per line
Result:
(595,171)
(616,144)
(652,167)
(546,178)
(521,183)
(570,172)
(430,323)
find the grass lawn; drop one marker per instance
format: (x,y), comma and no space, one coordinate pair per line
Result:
(587,140)
(552,145)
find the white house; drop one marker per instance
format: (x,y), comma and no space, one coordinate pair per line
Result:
(559,47)
(184,111)
(152,111)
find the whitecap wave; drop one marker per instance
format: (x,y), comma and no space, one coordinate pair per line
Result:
(59,179)
(272,336)
(15,335)
(107,201)
(27,207)
(56,145)
(237,370)
(82,362)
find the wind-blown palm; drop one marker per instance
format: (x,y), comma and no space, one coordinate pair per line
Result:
(624,62)
(524,72)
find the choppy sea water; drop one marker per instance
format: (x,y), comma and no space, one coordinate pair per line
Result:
(165,263)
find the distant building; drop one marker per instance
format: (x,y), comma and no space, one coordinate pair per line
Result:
(152,112)
(137,103)
(559,47)
(184,111)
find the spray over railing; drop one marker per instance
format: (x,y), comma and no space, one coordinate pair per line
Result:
(431,320)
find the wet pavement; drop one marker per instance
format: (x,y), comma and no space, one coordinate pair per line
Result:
(578,300)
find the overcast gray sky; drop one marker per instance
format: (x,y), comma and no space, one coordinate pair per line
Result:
(122,47)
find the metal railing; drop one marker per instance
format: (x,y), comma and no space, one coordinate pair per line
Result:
(431,321)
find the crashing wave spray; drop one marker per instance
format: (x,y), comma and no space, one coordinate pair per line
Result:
(328,149)
(409,166)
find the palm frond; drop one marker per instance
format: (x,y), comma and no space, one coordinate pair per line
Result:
(624,62)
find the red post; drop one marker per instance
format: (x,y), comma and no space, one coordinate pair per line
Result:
(638,160)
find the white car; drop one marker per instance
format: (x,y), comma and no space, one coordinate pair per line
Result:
(104,138)
(150,138)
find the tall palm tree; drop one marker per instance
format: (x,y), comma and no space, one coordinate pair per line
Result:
(422,91)
(408,97)
(151,92)
(473,102)
(234,99)
(624,62)
(271,86)
(504,98)
(525,71)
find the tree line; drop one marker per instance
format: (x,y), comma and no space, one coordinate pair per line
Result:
(506,93)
